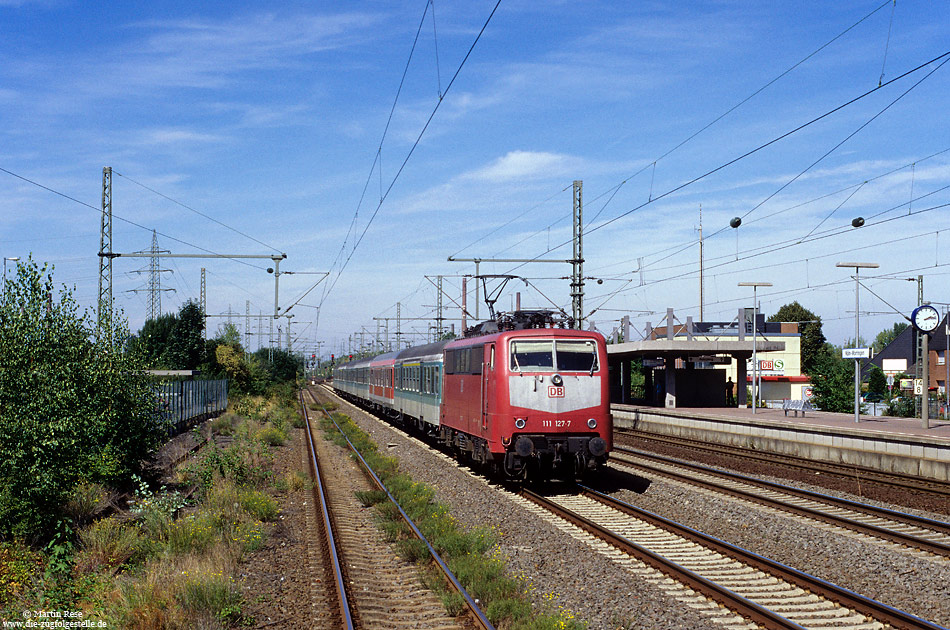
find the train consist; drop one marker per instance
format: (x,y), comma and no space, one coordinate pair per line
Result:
(518,396)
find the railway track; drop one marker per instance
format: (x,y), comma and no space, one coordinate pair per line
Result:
(767,593)
(859,474)
(900,528)
(734,589)
(367,585)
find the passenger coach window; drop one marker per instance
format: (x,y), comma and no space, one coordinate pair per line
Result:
(576,356)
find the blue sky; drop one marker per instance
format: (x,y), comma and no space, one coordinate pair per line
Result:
(270,120)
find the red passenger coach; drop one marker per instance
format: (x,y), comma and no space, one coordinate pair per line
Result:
(534,401)
(381,380)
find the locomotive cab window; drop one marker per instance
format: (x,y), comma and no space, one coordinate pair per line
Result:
(576,356)
(548,356)
(532,356)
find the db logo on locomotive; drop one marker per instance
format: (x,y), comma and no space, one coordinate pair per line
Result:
(555,391)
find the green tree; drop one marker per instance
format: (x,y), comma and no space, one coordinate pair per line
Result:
(833,381)
(186,343)
(229,334)
(73,405)
(281,366)
(888,335)
(152,341)
(877,381)
(174,342)
(812,337)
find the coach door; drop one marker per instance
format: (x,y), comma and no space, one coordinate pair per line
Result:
(488,382)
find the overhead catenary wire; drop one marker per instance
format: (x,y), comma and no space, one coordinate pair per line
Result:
(687,244)
(652,163)
(198,212)
(409,154)
(942,58)
(123,219)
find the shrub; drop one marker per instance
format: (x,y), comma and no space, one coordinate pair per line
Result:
(194,533)
(87,501)
(106,545)
(213,593)
(73,404)
(272,436)
(224,424)
(259,505)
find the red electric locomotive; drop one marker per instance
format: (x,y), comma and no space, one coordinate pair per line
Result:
(518,395)
(533,401)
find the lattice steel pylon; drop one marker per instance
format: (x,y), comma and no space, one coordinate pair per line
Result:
(577,278)
(203,301)
(105,251)
(154,303)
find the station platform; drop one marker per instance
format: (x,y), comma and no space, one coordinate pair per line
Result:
(880,442)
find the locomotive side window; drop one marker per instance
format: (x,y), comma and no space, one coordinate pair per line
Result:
(576,356)
(534,356)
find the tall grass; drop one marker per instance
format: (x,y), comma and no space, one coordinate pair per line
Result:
(166,562)
(471,553)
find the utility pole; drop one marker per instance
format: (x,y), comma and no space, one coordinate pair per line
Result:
(105,251)
(438,309)
(921,351)
(247,329)
(465,302)
(577,262)
(398,326)
(155,280)
(701,262)
(577,281)
(203,300)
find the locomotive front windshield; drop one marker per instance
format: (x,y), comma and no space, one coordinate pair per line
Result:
(551,355)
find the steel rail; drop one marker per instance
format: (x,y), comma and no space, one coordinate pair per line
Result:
(899,480)
(726,597)
(865,605)
(865,528)
(478,617)
(320,496)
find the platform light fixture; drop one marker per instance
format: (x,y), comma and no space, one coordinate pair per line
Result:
(857,266)
(5,259)
(755,358)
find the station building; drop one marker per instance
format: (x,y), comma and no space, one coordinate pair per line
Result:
(691,363)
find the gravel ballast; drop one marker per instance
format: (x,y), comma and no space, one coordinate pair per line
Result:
(563,570)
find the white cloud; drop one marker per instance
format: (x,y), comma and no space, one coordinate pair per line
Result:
(527,165)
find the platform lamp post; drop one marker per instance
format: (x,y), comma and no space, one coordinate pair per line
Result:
(857,266)
(5,259)
(755,356)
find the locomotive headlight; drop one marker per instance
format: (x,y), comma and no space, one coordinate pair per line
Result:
(557,380)
(592,423)
(519,423)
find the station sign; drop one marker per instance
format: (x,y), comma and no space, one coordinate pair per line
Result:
(856,353)
(768,367)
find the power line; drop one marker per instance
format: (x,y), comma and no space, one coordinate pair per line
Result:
(121,218)
(771,142)
(405,161)
(198,212)
(685,245)
(768,84)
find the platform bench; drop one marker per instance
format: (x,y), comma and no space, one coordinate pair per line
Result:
(796,406)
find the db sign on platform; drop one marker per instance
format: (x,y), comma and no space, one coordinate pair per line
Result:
(556,391)
(856,353)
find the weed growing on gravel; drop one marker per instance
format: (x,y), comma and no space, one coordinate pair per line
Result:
(370,498)
(466,551)
(106,545)
(166,562)
(259,505)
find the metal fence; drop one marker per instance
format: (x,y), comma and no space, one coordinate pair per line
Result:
(182,403)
